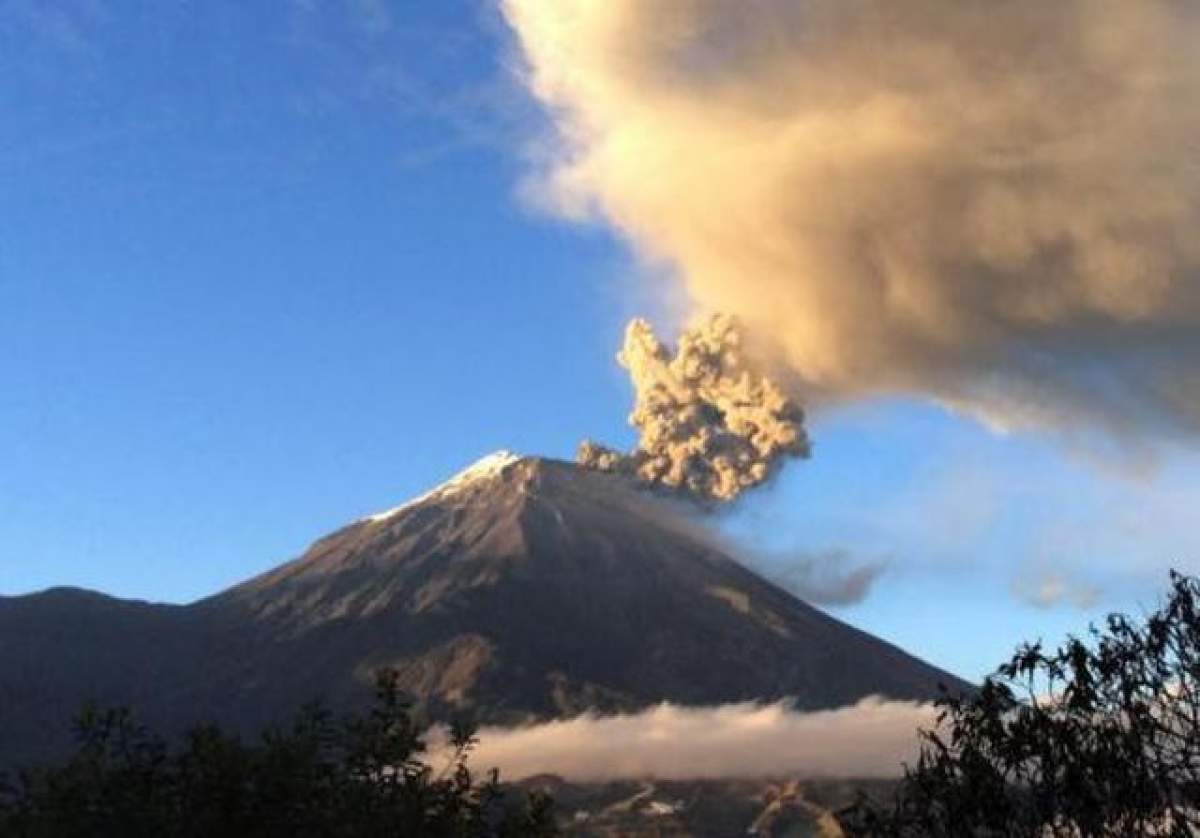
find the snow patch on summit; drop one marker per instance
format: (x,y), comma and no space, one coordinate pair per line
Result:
(484,469)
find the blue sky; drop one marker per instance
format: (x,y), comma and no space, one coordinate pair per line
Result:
(265,268)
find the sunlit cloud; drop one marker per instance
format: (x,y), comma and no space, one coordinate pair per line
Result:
(869,739)
(990,205)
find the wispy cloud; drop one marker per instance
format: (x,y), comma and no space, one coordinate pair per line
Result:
(459,94)
(827,577)
(1010,516)
(373,16)
(1049,588)
(67,29)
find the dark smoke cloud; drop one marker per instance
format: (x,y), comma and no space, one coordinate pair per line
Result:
(710,424)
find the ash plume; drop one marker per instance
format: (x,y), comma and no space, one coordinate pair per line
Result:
(832,576)
(710,424)
(993,205)
(829,577)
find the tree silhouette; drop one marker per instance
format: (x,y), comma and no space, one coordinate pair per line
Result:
(362,776)
(1100,737)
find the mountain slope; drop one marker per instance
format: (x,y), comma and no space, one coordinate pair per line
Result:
(523,588)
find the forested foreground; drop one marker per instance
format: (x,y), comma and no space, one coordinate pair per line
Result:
(1099,737)
(359,776)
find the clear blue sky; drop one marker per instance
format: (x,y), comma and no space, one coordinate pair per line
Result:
(264,268)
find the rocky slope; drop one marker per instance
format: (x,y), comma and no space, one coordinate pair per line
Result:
(523,588)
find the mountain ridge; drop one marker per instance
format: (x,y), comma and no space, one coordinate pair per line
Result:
(521,589)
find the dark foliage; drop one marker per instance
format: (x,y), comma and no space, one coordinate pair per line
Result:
(362,776)
(1100,737)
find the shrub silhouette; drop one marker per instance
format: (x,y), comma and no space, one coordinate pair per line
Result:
(361,776)
(1100,737)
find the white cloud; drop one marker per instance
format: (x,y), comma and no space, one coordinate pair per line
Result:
(869,739)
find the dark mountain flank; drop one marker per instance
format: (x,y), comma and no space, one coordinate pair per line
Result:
(522,588)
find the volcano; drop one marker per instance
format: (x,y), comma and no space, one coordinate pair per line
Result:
(521,589)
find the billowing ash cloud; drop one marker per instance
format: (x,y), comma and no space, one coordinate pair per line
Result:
(869,739)
(993,204)
(710,425)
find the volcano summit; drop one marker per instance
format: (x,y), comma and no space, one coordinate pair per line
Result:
(522,588)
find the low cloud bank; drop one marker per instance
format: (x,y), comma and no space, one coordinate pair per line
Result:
(869,739)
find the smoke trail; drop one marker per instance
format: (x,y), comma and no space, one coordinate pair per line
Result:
(991,204)
(827,577)
(710,425)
